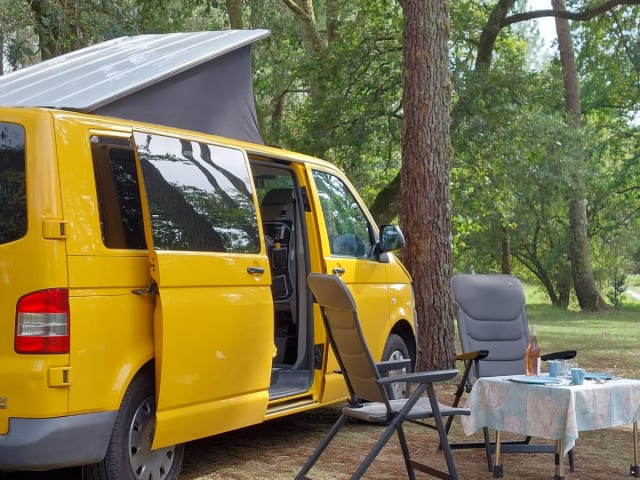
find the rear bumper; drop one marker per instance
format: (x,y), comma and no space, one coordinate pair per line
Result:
(47,443)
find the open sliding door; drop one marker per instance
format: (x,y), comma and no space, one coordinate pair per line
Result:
(214,313)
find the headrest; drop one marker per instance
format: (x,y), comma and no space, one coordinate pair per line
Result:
(489,296)
(278,196)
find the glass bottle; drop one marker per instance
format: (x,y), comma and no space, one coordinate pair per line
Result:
(532,354)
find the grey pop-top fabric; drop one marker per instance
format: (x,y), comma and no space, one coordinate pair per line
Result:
(199,81)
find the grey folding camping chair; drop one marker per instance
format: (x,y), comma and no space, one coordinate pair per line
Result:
(364,381)
(494,332)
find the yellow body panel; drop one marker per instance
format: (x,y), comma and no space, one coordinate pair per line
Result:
(28,264)
(111,327)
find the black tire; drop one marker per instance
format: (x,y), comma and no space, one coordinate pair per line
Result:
(129,455)
(396,349)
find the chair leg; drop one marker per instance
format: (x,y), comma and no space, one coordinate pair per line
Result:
(322,447)
(373,453)
(442,433)
(405,452)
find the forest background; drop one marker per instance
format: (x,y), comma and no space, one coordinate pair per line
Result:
(494,150)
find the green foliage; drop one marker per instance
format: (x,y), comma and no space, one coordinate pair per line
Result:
(609,61)
(18,47)
(617,287)
(163,16)
(342,103)
(515,164)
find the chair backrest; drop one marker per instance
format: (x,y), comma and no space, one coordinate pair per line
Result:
(491,316)
(345,336)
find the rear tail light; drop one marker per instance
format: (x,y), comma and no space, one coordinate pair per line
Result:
(42,322)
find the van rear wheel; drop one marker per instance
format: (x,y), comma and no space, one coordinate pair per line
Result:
(396,349)
(129,455)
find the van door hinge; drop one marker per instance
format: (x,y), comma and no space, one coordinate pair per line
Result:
(318,356)
(54,228)
(59,377)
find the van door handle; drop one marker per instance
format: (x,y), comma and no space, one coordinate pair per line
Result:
(152,289)
(338,271)
(258,270)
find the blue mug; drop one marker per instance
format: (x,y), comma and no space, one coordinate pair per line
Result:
(577,376)
(553,366)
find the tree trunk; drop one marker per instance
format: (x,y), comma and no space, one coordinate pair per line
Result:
(506,251)
(234,11)
(425,210)
(583,281)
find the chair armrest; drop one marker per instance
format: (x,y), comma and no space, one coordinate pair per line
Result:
(477,355)
(563,355)
(432,376)
(389,365)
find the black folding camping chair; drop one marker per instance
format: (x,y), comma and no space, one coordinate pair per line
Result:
(369,399)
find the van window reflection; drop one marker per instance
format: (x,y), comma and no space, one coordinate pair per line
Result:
(199,195)
(348,229)
(13,199)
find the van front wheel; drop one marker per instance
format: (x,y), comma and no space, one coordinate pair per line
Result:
(396,349)
(129,455)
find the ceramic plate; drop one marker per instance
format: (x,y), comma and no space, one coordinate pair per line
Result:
(539,380)
(598,376)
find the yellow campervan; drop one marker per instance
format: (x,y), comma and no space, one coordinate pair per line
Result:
(153,289)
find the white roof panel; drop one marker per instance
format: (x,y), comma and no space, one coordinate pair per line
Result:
(97,75)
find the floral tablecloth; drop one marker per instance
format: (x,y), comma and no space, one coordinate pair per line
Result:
(556,412)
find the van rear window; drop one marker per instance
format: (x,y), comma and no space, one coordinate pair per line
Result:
(117,186)
(13,199)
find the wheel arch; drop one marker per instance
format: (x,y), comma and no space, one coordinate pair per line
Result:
(403,329)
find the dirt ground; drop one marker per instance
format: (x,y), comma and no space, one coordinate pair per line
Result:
(276,450)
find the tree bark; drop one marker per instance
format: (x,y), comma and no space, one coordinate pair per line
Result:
(304,13)
(234,11)
(425,211)
(584,282)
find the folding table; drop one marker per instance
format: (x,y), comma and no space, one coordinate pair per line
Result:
(544,407)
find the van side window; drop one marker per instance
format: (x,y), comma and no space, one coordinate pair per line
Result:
(13,200)
(118,191)
(200,195)
(347,226)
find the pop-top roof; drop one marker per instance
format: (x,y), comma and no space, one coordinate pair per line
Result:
(91,77)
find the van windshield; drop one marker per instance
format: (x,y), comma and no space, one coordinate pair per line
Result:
(13,200)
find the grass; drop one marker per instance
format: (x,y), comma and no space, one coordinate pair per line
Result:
(608,341)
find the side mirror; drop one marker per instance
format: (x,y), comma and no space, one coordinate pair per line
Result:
(391,238)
